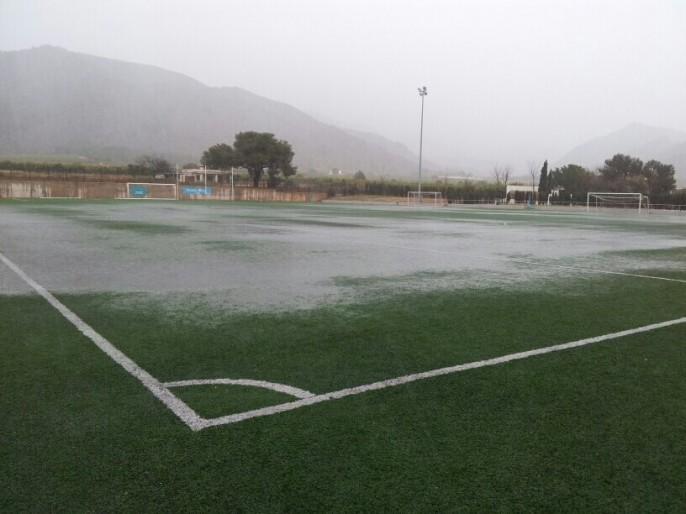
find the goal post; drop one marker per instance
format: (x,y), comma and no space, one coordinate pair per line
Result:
(616,200)
(434,198)
(150,191)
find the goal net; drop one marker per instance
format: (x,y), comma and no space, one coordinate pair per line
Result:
(634,201)
(430,198)
(151,191)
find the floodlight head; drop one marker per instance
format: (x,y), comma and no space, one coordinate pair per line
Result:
(422,91)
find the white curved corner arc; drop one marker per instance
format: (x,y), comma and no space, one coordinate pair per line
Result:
(281,388)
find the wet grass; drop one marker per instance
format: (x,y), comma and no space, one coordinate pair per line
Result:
(138,227)
(667,254)
(231,246)
(595,429)
(55,211)
(299,213)
(339,346)
(395,281)
(315,222)
(600,428)
(212,401)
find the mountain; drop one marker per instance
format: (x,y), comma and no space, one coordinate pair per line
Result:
(53,101)
(643,141)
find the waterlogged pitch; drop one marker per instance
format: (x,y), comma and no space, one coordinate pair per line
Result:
(217,356)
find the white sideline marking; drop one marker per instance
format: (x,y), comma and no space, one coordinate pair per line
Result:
(608,272)
(538,263)
(178,407)
(281,388)
(406,379)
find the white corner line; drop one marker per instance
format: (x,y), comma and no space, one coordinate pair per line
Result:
(406,379)
(178,407)
(281,388)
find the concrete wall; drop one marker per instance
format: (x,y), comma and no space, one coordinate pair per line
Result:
(61,189)
(253,194)
(104,190)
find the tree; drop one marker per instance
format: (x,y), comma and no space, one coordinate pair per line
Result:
(502,176)
(359,175)
(533,171)
(261,151)
(153,164)
(543,186)
(507,172)
(220,156)
(573,179)
(659,178)
(621,173)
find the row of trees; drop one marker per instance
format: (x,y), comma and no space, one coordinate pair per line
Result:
(620,174)
(462,191)
(143,166)
(257,152)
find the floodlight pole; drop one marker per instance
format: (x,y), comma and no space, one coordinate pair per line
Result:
(422,94)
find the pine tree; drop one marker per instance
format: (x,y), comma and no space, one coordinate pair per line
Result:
(543,182)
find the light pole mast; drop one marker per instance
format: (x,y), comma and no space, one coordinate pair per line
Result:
(422,94)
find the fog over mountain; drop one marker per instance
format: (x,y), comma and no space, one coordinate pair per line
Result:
(53,101)
(510,82)
(643,141)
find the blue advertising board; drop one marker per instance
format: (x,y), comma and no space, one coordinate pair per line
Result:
(193,191)
(139,191)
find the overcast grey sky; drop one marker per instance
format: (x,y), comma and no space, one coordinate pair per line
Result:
(509,81)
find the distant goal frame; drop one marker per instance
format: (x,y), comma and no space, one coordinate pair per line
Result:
(616,203)
(437,197)
(150,186)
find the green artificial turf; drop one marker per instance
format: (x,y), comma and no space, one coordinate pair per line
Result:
(596,429)
(344,345)
(211,401)
(138,227)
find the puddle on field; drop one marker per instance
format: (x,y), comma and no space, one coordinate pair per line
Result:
(284,257)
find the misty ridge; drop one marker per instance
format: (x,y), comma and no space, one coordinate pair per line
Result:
(53,101)
(57,102)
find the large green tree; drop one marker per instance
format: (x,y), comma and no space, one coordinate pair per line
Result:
(261,151)
(573,179)
(258,152)
(621,166)
(659,178)
(622,173)
(220,157)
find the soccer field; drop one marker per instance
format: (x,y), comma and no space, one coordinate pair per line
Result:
(306,358)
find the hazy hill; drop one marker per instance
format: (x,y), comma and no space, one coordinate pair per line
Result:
(53,101)
(666,145)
